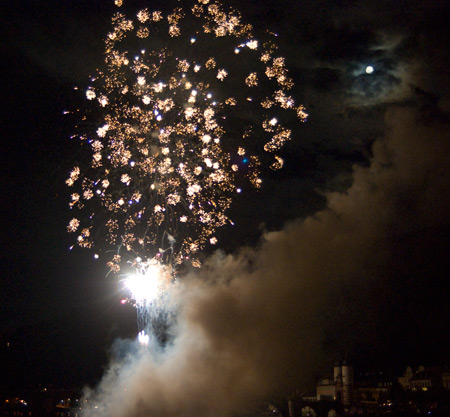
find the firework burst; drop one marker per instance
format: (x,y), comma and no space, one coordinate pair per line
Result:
(184,111)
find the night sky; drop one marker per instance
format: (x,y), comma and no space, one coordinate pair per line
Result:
(343,254)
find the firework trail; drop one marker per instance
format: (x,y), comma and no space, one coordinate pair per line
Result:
(181,125)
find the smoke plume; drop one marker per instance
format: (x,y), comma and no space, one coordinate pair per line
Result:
(263,322)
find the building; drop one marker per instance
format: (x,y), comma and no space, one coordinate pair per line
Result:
(424,378)
(339,386)
(446,379)
(405,379)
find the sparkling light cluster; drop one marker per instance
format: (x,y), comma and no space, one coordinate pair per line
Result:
(149,280)
(147,288)
(178,125)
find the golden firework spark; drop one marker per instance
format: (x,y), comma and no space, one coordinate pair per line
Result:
(178,124)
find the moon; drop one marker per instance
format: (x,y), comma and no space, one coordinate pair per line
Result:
(369,69)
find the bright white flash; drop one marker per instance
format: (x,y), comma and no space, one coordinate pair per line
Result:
(369,69)
(143,338)
(145,284)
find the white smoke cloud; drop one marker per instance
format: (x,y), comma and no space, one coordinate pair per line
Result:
(254,324)
(264,321)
